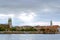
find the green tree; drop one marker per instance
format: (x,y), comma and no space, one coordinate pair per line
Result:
(2,29)
(13,29)
(30,29)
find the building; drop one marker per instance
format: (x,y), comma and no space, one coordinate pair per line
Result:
(26,27)
(7,26)
(10,22)
(51,23)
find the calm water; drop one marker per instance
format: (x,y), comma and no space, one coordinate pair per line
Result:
(29,36)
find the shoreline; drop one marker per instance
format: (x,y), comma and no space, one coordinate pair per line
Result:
(25,32)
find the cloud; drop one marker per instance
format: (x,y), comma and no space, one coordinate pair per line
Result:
(27,17)
(45,9)
(5,16)
(22,5)
(37,23)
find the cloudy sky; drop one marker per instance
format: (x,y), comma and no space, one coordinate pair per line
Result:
(30,12)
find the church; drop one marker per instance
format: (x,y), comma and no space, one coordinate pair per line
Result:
(8,25)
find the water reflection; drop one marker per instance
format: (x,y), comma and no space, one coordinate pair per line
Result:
(29,36)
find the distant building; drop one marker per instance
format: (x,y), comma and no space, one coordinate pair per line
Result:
(7,26)
(10,22)
(51,23)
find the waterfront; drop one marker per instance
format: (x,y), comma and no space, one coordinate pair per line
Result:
(29,36)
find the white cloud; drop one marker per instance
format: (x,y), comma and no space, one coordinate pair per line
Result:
(27,17)
(11,15)
(5,16)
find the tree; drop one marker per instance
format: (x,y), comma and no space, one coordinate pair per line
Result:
(13,29)
(30,29)
(43,30)
(2,29)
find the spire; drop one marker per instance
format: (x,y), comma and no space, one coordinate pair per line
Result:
(51,23)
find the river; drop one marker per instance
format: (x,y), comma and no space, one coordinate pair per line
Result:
(29,36)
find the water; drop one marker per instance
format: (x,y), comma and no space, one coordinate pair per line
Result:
(29,36)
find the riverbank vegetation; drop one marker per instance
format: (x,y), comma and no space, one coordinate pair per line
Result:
(38,29)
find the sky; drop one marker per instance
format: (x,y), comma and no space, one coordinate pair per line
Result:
(30,12)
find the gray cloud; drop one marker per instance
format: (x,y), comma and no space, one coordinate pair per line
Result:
(36,6)
(16,6)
